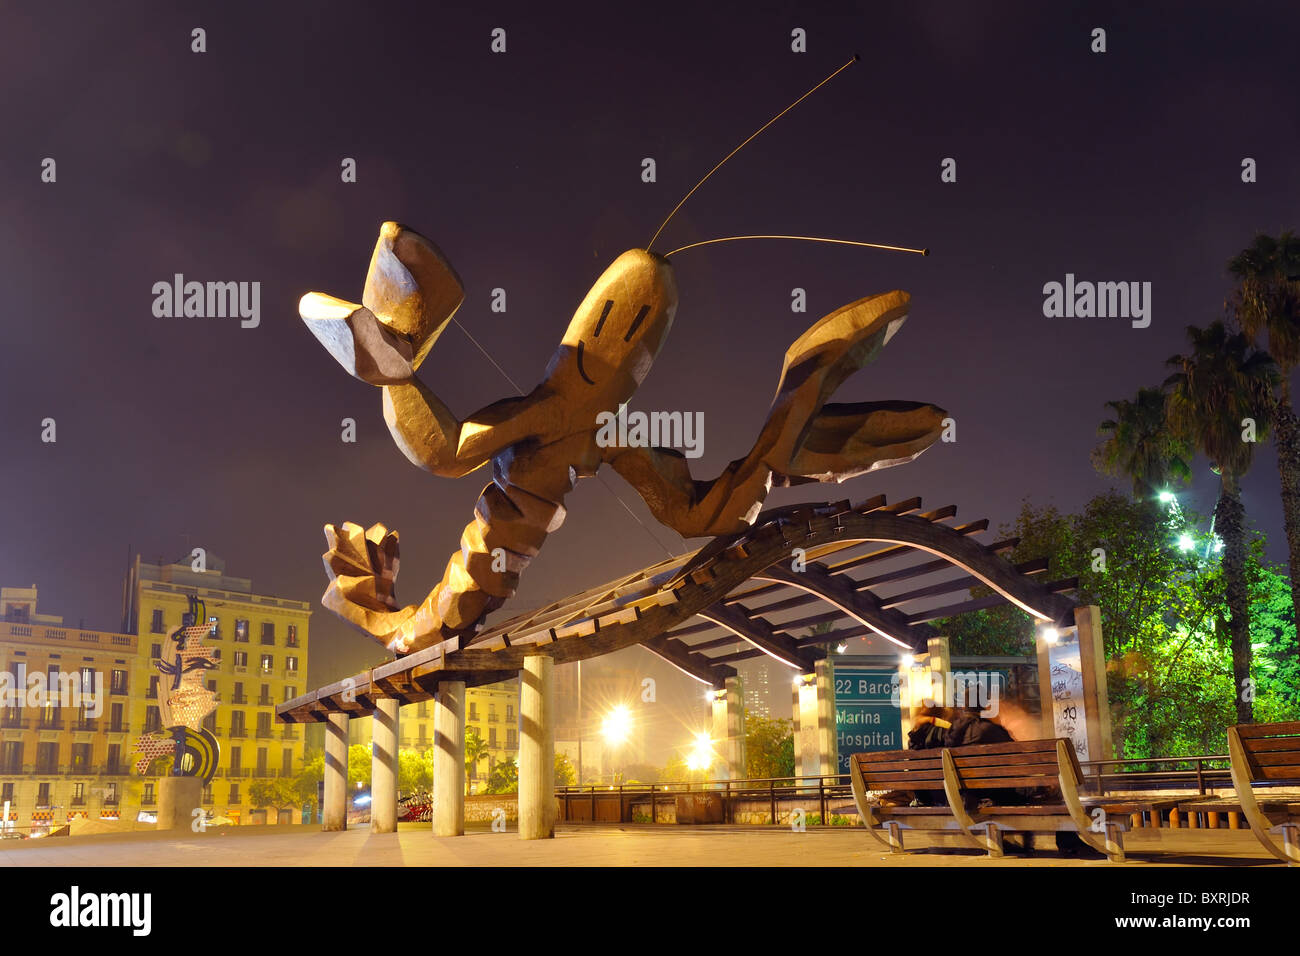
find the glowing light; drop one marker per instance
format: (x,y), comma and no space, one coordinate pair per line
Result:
(617,725)
(841,647)
(701,754)
(1185,542)
(907,660)
(1166,496)
(1051,635)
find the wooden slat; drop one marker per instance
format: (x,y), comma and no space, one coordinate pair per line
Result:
(1011,783)
(1268,730)
(1271,744)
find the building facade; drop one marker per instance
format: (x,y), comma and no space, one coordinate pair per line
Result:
(63,757)
(491,713)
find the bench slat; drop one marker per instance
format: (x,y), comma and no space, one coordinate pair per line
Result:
(1255,745)
(1246,731)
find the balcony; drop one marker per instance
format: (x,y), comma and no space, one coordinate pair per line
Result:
(263,773)
(77,801)
(116,770)
(289,734)
(86,725)
(239,699)
(119,728)
(236,773)
(265,733)
(148,800)
(46,769)
(238,733)
(265,701)
(15,723)
(289,673)
(49,723)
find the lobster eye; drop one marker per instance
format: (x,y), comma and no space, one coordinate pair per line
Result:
(636,323)
(604,314)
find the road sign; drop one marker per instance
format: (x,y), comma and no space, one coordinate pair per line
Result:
(867,717)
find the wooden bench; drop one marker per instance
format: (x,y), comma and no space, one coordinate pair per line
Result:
(1268,755)
(956,773)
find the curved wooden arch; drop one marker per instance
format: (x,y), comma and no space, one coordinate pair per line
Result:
(645,608)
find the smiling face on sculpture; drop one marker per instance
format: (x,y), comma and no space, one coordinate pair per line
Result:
(616,332)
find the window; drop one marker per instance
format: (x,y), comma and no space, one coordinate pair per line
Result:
(286,763)
(473,711)
(207,793)
(236,730)
(156,626)
(268,632)
(214,631)
(238,697)
(511,742)
(234,793)
(263,725)
(510,713)
(6,793)
(50,716)
(292,639)
(492,737)
(290,693)
(264,699)
(235,755)
(110,794)
(78,794)
(268,663)
(492,713)
(43,795)
(81,758)
(241,658)
(11,756)
(216,654)
(47,758)
(155,651)
(88,682)
(261,762)
(152,692)
(117,684)
(291,665)
(148,796)
(422,710)
(241,631)
(152,720)
(114,759)
(115,719)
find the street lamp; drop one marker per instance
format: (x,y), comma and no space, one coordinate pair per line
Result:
(616,727)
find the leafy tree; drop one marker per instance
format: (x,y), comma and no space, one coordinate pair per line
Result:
(277,793)
(1266,302)
(769,747)
(1214,389)
(504,777)
(359,762)
(565,774)
(1140,444)
(414,772)
(476,749)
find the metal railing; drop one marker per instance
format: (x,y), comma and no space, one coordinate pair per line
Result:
(1197,774)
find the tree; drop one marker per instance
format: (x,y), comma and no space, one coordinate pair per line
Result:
(475,750)
(278,794)
(504,777)
(565,775)
(1139,444)
(359,762)
(1266,302)
(769,747)
(1219,394)
(414,772)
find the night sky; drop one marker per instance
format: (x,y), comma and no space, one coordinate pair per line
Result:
(525,168)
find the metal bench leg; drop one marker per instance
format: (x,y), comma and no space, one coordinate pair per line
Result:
(895,836)
(1115,842)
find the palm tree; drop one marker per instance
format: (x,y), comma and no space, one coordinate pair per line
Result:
(475,750)
(1214,389)
(1266,302)
(1140,444)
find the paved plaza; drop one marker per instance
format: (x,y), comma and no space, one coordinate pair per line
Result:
(628,845)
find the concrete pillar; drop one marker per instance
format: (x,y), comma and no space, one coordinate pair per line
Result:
(828,745)
(816,745)
(537,748)
(729,728)
(334,814)
(177,799)
(1092,658)
(939,660)
(449,759)
(383,766)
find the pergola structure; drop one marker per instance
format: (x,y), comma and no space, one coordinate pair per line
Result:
(855,567)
